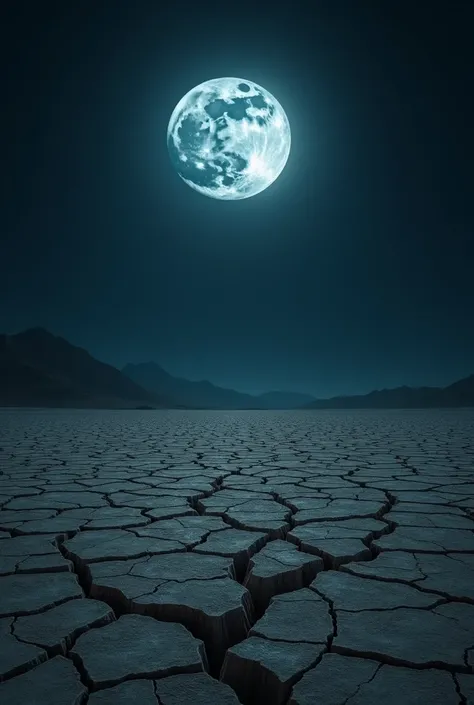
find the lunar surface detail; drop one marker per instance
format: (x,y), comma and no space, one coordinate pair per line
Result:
(229,138)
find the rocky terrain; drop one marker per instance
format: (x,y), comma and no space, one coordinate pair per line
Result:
(270,558)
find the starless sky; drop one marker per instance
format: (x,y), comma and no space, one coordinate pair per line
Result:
(353,271)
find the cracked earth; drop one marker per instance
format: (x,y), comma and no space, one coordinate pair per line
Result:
(262,558)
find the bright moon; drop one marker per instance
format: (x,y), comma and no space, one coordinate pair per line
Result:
(229,138)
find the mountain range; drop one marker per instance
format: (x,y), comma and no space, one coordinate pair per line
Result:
(39,369)
(205,395)
(460,393)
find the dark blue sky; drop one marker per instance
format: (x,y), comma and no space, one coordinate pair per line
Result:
(354,270)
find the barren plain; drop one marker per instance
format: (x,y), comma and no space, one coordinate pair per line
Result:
(270,558)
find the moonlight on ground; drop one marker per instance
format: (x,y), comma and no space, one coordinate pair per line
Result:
(229,138)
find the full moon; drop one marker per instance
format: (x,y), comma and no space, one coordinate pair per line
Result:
(229,138)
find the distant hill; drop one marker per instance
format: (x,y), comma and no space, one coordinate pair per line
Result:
(41,369)
(459,393)
(205,395)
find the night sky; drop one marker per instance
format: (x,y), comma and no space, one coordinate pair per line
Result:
(353,271)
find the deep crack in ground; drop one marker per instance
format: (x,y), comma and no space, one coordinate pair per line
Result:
(278,552)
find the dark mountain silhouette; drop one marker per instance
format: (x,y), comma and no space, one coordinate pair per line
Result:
(205,395)
(41,369)
(459,393)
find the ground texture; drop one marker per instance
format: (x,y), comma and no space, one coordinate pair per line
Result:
(188,558)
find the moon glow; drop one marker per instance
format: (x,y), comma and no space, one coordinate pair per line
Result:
(229,138)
